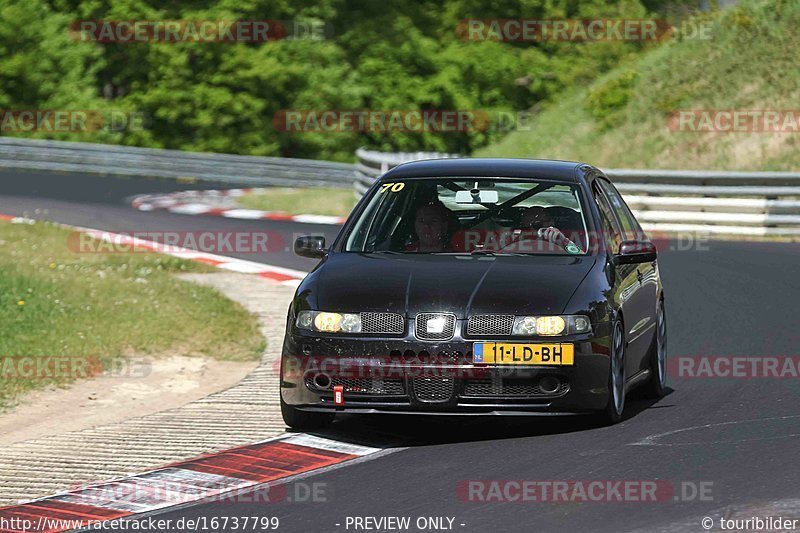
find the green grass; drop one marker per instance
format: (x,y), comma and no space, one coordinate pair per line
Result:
(101,307)
(311,201)
(621,120)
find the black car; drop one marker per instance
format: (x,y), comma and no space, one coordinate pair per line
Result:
(477,286)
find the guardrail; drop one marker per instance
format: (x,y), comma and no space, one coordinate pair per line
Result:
(372,164)
(131,161)
(744,203)
(741,203)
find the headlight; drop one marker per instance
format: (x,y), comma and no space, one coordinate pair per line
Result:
(551,325)
(329,322)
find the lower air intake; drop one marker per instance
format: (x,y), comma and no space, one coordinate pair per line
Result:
(434,389)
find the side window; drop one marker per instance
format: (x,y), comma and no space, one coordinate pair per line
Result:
(611,232)
(630,227)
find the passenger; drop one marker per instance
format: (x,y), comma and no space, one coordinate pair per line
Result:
(432,225)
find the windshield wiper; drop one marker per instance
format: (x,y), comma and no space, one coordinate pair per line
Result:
(496,253)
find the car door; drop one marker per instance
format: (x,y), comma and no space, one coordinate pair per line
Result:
(633,298)
(648,271)
(647,274)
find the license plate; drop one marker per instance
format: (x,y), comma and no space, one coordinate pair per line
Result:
(503,353)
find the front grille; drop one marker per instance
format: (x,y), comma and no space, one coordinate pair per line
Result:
(433,389)
(490,324)
(446,321)
(509,387)
(388,323)
(389,387)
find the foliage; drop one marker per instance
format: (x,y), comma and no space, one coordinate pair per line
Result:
(606,100)
(398,55)
(746,61)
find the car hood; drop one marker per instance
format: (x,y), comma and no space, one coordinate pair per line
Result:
(461,284)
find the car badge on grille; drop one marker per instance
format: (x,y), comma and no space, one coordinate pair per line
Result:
(435,325)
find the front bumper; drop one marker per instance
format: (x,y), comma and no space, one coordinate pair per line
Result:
(406,375)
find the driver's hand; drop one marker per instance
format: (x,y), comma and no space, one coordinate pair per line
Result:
(552,235)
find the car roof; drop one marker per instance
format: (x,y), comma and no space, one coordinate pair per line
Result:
(571,171)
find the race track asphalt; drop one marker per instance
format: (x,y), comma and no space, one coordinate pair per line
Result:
(738,438)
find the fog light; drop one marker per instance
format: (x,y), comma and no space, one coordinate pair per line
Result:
(322,381)
(549,384)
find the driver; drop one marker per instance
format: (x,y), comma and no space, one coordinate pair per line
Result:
(537,219)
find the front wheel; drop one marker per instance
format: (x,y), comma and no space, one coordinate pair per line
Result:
(656,386)
(304,420)
(616,376)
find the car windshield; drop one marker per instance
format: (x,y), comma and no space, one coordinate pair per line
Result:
(471,216)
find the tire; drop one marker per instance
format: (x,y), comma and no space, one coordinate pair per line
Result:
(656,386)
(616,377)
(304,420)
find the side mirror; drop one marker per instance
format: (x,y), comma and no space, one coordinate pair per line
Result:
(635,252)
(312,246)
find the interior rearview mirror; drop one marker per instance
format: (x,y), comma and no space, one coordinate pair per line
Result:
(476,196)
